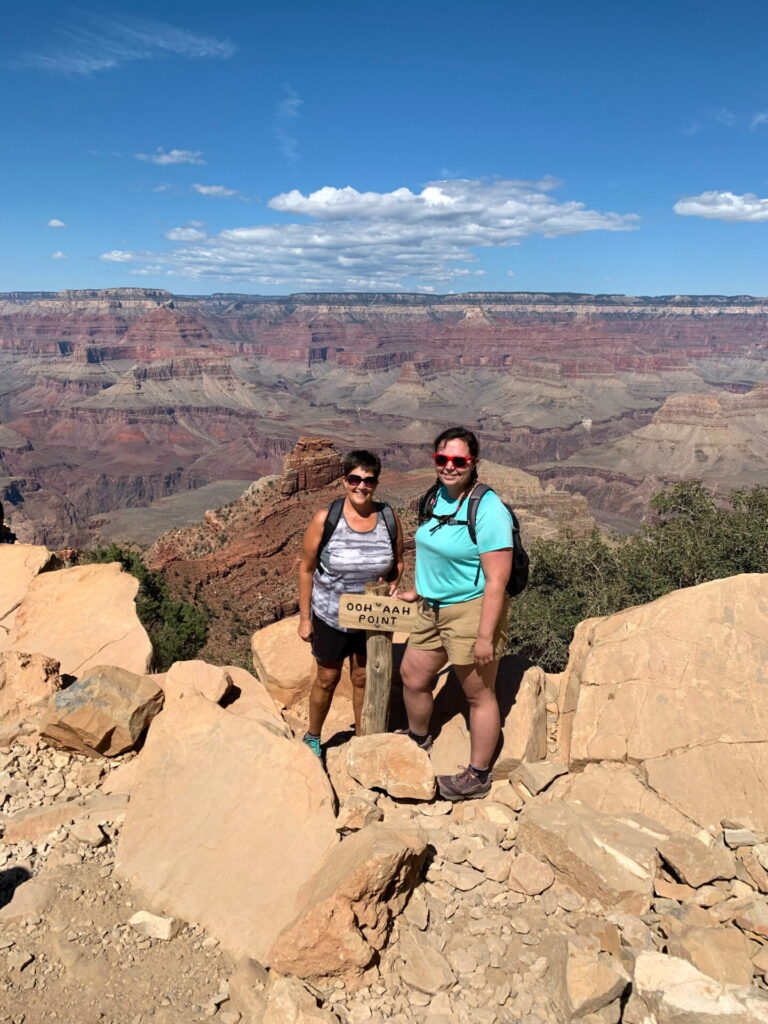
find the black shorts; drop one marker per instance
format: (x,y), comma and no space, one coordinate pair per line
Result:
(329,644)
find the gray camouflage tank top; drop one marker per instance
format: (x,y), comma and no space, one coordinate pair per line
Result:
(350,560)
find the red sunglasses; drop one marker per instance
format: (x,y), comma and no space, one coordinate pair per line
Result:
(356,481)
(457,461)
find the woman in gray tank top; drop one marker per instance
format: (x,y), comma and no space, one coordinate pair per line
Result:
(366,544)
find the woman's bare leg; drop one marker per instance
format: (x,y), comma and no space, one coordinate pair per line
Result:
(357,663)
(417,671)
(321,694)
(479,686)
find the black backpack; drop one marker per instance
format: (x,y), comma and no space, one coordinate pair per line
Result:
(518,579)
(332,521)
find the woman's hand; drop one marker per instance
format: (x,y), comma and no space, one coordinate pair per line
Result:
(405,595)
(483,652)
(304,629)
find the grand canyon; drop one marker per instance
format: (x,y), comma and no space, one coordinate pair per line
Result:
(124,412)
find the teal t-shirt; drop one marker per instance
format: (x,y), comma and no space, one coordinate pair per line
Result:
(447,562)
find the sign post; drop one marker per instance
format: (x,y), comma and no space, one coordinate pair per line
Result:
(380,616)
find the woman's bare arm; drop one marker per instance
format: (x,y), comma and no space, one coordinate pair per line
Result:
(497,565)
(309,547)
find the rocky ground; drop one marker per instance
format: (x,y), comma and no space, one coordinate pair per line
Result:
(483,939)
(171,851)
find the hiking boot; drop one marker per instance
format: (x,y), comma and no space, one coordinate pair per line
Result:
(466,785)
(425,744)
(313,742)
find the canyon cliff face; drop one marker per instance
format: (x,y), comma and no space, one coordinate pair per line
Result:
(120,397)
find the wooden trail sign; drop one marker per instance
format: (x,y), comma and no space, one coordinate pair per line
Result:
(377,612)
(380,616)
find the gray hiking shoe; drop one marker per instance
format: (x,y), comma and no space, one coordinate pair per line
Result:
(425,744)
(466,785)
(313,743)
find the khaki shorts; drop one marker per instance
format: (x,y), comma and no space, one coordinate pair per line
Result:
(454,627)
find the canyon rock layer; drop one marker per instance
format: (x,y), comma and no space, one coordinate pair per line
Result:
(127,398)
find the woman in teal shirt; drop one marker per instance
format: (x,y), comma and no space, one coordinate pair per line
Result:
(463,609)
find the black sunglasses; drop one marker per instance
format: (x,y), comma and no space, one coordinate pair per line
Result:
(356,481)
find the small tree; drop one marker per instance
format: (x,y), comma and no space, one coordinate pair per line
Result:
(690,539)
(177,629)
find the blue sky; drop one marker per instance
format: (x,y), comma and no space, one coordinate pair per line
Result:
(420,146)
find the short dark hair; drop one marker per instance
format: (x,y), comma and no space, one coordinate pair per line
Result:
(361,459)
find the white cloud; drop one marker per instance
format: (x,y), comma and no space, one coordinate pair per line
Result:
(100,43)
(190,233)
(286,112)
(54,222)
(391,240)
(727,206)
(759,119)
(58,255)
(220,191)
(510,273)
(117,256)
(172,156)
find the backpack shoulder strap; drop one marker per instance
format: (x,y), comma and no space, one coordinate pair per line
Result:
(330,524)
(478,492)
(389,520)
(427,503)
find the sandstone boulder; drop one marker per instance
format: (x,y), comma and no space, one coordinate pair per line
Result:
(667,990)
(345,911)
(693,862)
(284,664)
(83,617)
(229,818)
(521,696)
(583,980)
(649,686)
(425,968)
(720,953)
(185,677)
(19,564)
(105,712)
(618,789)
(27,681)
(530,875)
(392,763)
(596,855)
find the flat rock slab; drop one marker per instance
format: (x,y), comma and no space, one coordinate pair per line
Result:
(695,863)
(34,823)
(667,990)
(425,969)
(228,820)
(529,875)
(537,776)
(346,909)
(31,899)
(593,853)
(720,953)
(392,763)
(83,617)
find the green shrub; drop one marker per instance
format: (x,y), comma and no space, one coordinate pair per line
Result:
(690,538)
(177,629)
